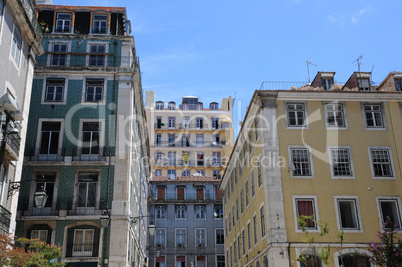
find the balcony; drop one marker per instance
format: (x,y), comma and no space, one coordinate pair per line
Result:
(75,61)
(189,143)
(189,163)
(181,126)
(13,142)
(189,198)
(5,219)
(36,156)
(83,154)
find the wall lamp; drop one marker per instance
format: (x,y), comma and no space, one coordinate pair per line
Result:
(151,226)
(40,196)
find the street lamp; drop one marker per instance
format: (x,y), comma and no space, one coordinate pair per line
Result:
(40,196)
(151,226)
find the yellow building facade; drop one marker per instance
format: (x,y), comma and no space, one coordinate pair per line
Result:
(325,150)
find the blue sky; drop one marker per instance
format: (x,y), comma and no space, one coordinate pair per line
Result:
(213,49)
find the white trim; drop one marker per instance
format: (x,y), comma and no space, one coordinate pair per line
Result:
(346,251)
(50,49)
(393,177)
(101,134)
(352,169)
(185,236)
(290,147)
(255,231)
(98,188)
(2,20)
(205,236)
(89,44)
(305,251)
(316,214)
(11,58)
(345,118)
(306,125)
(39,132)
(384,121)
(265,219)
(84,91)
(44,91)
(358,213)
(165,241)
(216,243)
(397,199)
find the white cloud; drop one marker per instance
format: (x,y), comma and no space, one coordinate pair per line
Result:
(355,18)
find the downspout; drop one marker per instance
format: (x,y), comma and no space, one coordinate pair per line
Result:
(290,261)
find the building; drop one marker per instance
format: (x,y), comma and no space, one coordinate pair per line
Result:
(323,150)
(86,140)
(20,41)
(190,145)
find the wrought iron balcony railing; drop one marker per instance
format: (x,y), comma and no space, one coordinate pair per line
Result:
(188,143)
(93,154)
(188,163)
(187,197)
(185,126)
(36,155)
(13,142)
(5,219)
(80,61)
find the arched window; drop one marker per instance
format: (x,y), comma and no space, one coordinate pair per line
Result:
(213,106)
(171,105)
(353,260)
(159,105)
(199,106)
(185,106)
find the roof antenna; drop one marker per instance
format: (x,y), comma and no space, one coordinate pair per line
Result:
(308,70)
(371,75)
(358,60)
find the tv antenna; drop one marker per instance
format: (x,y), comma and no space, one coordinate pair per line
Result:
(308,69)
(358,60)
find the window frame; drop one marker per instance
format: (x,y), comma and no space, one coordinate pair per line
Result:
(46,83)
(310,155)
(344,114)
(92,244)
(63,20)
(383,118)
(305,114)
(313,198)
(94,20)
(90,53)
(331,162)
(39,133)
(101,136)
(196,241)
(176,237)
(216,237)
(158,209)
(97,188)
(203,210)
(178,209)
(34,188)
(164,236)
(96,82)
(358,220)
(16,47)
(391,162)
(397,201)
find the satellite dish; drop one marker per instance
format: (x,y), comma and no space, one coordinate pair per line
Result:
(292,166)
(216,214)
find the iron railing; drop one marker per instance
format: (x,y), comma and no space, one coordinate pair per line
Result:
(189,143)
(13,142)
(188,196)
(100,156)
(5,219)
(189,163)
(37,156)
(79,61)
(30,12)
(183,126)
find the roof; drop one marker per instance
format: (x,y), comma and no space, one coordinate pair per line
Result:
(184,179)
(82,8)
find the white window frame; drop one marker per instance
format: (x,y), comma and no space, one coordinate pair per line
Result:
(164,212)
(393,177)
(345,119)
(39,133)
(63,20)
(374,128)
(196,243)
(196,211)
(358,213)
(185,236)
(98,20)
(44,92)
(349,149)
(316,213)
(89,45)
(39,231)
(397,201)
(51,50)
(84,91)
(74,254)
(263,225)
(164,236)
(290,148)
(176,212)
(20,49)
(305,112)
(255,229)
(216,239)
(101,134)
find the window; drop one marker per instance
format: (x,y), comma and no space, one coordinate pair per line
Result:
(180,261)
(171,158)
(171,122)
(239,246)
(341,162)
(200,193)
(94,90)
(59,55)
(171,140)
(381,162)
(160,261)
(241,201)
(237,208)
(235,251)
(214,123)
(312,261)
(364,84)
(352,260)
(39,234)
(255,229)
(262,216)
(45,182)
(296,114)
(257,127)
(50,133)
(87,183)
(247,194)
(220,261)
(199,123)
(160,237)
(200,236)
(327,83)
(390,210)
(90,138)
(16,46)
(230,219)
(201,261)
(172,174)
(306,207)
(216,158)
(220,237)
(185,141)
(373,116)
(1,12)
(158,140)
(199,212)
(249,236)
(63,22)
(160,212)
(180,191)
(218,194)
(185,173)
(180,237)
(180,212)
(100,23)
(218,211)
(233,216)
(161,193)
(335,115)
(216,174)
(252,178)
(200,159)
(250,142)
(171,106)
(158,172)
(97,57)
(54,90)
(199,106)
(83,243)
(159,105)
(199,140)
(348,215)
(398,84)
(259,169)
(300,157)
(243,237)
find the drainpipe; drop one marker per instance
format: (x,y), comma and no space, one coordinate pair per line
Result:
(290,261)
